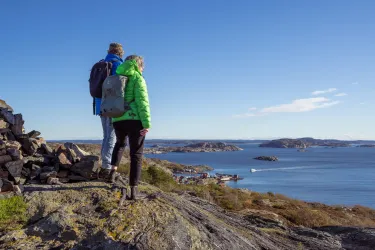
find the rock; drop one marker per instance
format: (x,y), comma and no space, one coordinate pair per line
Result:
(63,174)
(5,159)
(17,127)
(29,145)
(47,149)
(79,152)
(13,236)
(53,181)
(14,168)
(42,160)
(46,175)
(5,106)
(1,183)
(26,172)
(3,124)
(15,154)
(13,144)
(62,156)
(35,171)
(2,144)
(74,177)
(49,169)
(9,136)
(87,166)
(7,116)
(64,180)
(33,134)
(7,186)
(266,158)
(4,174)
(3,152)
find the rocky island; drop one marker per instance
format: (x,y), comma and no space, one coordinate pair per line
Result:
(266,158)
(303,143)
(194,148)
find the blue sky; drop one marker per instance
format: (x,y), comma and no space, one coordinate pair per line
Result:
(214,69)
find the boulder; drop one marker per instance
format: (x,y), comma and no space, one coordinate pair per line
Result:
(74,177)
(87,166)
(46,175)
(3,152)
(63,159)
(5,159)
(42,160)
(7,116)
(5,106)
(26,172)
(17,127)
(78,152)
(29,145)
(15,154)
(53,181)
(7,186)
(35,171)
(4,174)
(3,124)
(13,144)
(14,168)
(47,149)
(9,135)
(63,174)
(2,144)
(33,134)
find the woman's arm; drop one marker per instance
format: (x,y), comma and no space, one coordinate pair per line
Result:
(141,100)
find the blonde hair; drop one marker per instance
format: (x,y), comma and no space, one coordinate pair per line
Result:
(116,48)
(138,59)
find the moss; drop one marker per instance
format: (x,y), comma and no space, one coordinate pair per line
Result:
(12,213)
(273,231)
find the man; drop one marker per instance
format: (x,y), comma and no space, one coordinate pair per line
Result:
(115,54)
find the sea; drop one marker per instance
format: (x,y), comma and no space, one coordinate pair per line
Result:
(334,176)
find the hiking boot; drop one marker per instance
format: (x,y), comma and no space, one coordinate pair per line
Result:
(135,194)
(124,196)
(104,174)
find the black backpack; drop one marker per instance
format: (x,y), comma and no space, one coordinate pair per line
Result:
(99,72)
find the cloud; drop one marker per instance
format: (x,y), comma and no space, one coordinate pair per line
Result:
(252,109)
(341,94)
(355,83)
(301,105)
(319,92)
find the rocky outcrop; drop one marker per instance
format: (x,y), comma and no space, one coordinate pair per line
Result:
(266,158)
(303,143)
(26,157)
(367,146)
(194,148)
(86,215)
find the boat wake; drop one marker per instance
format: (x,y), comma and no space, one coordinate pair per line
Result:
(277,169)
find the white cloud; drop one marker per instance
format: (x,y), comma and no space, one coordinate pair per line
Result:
(355,83)
(319,92)
(341,94)
(301,105)
(252,109)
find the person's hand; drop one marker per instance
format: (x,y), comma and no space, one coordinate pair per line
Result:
(144,131)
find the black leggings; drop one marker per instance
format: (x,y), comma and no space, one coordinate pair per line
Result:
(130,128)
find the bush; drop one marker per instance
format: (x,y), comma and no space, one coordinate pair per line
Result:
(12,213)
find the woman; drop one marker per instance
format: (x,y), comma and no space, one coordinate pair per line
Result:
(134,123)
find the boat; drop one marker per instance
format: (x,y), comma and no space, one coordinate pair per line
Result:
(253,170)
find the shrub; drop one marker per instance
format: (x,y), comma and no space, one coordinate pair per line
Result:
(12,213)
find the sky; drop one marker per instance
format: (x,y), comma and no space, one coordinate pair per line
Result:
(214,69)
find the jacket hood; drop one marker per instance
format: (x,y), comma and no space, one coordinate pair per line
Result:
(129,68)
(111,57)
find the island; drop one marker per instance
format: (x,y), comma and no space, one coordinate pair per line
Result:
(367,146)
(194,148)
(303,143)
(266,158)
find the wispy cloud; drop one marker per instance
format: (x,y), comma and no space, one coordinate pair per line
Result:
(341,94)
(301,105)
(252,109)
(355,83)
(320,92)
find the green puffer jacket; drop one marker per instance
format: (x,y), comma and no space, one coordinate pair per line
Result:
(135,94)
